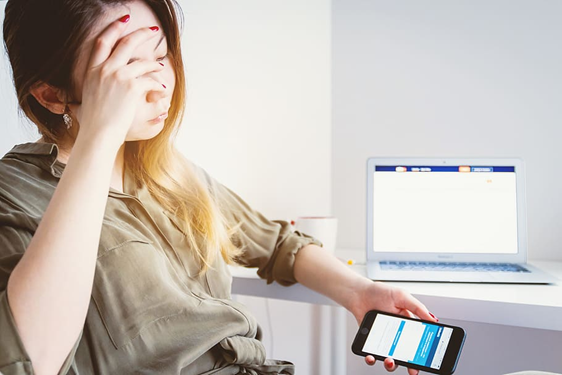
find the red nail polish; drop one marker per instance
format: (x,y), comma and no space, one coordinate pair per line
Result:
(433,316)
(163,85)
(125,19)
(154,28)
(161,63)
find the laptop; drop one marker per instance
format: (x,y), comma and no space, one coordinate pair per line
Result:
(448,220)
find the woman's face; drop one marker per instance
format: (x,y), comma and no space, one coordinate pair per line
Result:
(144,126)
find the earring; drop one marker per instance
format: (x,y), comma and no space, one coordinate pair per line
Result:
(66,118)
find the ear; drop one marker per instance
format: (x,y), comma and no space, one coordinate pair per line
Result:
(49,97)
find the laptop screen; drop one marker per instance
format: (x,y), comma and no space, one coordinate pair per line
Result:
(456,209)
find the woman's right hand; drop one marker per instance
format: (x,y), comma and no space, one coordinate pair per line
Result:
(112,88)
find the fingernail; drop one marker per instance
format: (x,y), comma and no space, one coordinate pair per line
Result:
(161,63)
(125,19)
(433,316)
(163,85)
(154,28)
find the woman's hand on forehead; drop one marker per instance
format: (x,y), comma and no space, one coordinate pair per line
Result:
(113,88)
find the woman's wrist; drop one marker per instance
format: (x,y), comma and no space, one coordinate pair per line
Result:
(102,142)
(354,298)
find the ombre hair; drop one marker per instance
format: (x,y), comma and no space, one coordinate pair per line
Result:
(43,40)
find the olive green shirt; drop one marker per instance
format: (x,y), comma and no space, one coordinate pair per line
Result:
(150,311)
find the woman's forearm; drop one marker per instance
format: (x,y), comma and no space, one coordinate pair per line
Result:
(49,290)
(319,270)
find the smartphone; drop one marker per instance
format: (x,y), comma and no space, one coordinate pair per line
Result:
(414,343)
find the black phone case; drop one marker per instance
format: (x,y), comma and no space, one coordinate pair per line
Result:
(361,336)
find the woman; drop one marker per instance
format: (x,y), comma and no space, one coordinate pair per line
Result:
(134,280)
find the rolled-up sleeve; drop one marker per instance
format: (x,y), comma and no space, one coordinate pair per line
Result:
(14,239)
(269,245)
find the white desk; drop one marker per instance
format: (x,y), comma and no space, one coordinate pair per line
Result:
(531,306)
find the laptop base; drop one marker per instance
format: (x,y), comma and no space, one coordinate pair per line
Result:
(536,276)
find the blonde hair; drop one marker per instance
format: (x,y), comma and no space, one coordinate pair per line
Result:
(48,56)
(174,184)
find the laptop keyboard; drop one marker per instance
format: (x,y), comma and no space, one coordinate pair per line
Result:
(456,267)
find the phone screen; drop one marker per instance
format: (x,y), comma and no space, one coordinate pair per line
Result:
(410,341)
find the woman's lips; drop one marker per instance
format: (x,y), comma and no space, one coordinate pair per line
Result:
(160,118)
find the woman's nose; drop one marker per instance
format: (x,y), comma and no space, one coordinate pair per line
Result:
(155,96)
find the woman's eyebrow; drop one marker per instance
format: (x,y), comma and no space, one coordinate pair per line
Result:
(133,59)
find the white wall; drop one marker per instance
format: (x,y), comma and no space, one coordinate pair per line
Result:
(453,78)
(258,114)
(448,78)
(259,120)
(14,129)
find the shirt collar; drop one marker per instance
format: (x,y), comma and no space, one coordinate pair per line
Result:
(44,156)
